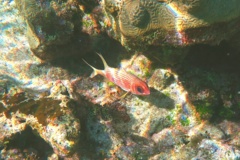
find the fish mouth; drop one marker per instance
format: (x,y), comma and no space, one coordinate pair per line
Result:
(146,93)
(142,94)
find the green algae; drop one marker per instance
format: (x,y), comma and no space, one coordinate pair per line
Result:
(171,118)
(87,21)
(110,84)
(226,113)
(185,122)
(205,110)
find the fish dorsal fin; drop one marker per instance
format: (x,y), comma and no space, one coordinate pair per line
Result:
(103,60)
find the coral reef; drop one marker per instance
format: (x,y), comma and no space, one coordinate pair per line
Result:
(171,25)
(53,110)
(176,20)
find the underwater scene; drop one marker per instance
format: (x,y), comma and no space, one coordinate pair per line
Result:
(119,80)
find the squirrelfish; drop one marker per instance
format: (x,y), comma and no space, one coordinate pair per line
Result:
(121,78)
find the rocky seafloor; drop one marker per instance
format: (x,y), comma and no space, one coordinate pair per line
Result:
(51,109)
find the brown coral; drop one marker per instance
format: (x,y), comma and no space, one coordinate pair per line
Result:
(138,17)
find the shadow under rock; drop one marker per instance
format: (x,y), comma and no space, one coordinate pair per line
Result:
(27,140)
(210,74)
(95,141)
(159,99)
(108,47)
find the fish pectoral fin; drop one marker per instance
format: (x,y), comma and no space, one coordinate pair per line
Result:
(124,95)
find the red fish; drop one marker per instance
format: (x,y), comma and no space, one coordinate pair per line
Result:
(127,81)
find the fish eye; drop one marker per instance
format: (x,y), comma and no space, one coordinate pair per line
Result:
(140,89)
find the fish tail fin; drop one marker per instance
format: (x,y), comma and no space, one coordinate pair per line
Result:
(103,60)
(95,70)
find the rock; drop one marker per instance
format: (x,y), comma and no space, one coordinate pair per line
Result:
(216,150)
(53,120)
(205,130)
(147,116)
(53,28)
(19,154)
(231,131)
(31,94)
(168,138)
(214,94)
